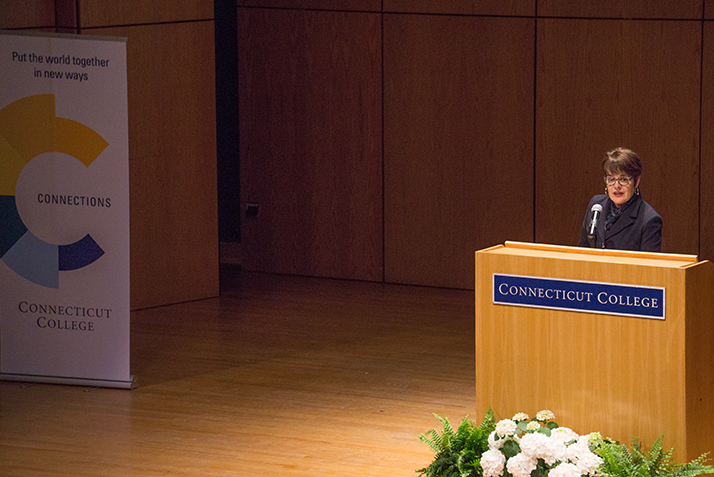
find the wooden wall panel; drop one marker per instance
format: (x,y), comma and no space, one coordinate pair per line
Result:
(172,161)
(706,199)
(458,142)
(462,7)
(342,5)
(656,9)
(27,14)
(608,83)
(66,16)
(311,142)
(101,13)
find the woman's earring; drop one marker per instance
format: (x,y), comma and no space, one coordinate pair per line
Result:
(637,191)
(605,190)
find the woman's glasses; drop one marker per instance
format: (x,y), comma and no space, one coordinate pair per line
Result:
(624,181)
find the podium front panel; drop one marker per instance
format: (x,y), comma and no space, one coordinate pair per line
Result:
(623,376)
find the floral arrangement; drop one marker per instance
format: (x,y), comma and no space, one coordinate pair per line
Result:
(538,447)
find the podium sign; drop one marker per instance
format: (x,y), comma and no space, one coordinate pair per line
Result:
(575,295)
(638,366)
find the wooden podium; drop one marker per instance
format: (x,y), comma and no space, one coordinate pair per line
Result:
(623,376)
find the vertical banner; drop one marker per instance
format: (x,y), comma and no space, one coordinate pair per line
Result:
(64,210)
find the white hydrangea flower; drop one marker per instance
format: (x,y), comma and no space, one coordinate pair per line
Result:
(586,461)
(557,452)
(533,426)
(506,428)
(534,445)
(492,462)
(589,464)
(545,415)
(521,416)
(521,465)
(494,443)
(575,450)
(564,470)
(540,446)
(564,434)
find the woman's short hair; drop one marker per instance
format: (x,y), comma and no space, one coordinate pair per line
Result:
(624,160)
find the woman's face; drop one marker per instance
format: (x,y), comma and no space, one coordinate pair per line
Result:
(620,187)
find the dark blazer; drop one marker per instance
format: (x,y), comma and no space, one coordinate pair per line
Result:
(638,228)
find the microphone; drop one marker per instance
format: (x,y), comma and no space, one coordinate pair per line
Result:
(596,210)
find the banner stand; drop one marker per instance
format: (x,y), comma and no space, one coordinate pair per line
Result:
(64,210)
(133,384)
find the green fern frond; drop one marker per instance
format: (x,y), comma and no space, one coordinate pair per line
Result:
(489,421)
(693,470)
(432,439)
(659,461)
(465,428)
(458,452)
(439,442)
(448,429)
(619,461)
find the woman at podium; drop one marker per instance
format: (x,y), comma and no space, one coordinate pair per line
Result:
(620,218)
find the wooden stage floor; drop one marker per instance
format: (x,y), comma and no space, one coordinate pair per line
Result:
(280,376)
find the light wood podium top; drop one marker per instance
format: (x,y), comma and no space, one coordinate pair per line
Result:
(562,252)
